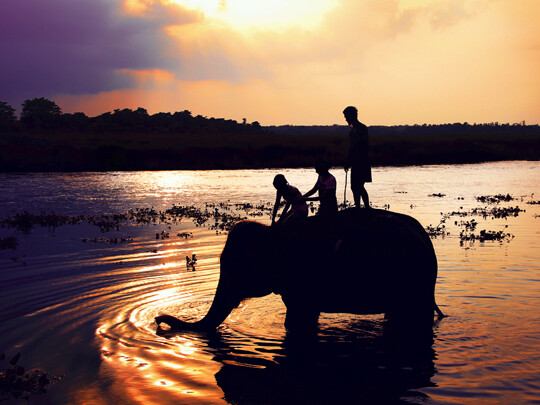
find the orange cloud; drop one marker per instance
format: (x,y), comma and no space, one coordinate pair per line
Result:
(400,62)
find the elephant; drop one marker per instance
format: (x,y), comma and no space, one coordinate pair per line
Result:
(358,261)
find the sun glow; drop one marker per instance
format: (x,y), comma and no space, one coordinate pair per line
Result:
(258,13)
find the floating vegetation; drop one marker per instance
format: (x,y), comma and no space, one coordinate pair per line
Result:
(17,383)
(163,235)
(494,199)
(439,230)
(345,205)
(113,241)
(469,225)
(255,210)
(495,212)
(25,221)
(10,242)
(191,262)
(485,235)
(224,219)
(221,217)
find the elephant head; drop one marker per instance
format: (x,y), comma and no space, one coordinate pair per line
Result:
(248,270)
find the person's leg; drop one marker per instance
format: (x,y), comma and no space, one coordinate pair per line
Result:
(356,196)
(364,194)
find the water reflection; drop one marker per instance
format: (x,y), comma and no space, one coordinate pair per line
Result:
(363,362)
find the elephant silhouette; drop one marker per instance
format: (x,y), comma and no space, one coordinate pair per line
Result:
(359,261)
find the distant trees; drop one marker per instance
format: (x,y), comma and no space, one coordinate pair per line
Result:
(44,115)
(40,113)
(7,115)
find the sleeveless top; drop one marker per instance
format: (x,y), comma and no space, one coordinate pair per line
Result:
(329,203)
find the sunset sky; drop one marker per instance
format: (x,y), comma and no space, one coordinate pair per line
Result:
(279,61)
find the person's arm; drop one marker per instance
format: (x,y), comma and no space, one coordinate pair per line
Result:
(284,212)
(310,193)
(276,206)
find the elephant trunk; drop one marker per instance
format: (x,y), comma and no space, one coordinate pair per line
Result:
(221,307)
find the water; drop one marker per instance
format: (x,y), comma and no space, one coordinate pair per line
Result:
(85,310)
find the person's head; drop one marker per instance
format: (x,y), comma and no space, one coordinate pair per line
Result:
(351,114)
(321,166)
(280,182)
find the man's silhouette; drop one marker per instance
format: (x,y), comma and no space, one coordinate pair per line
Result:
(358,159)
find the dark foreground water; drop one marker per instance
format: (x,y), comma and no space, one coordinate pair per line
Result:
(81,307)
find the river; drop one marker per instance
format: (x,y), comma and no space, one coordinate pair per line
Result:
(79,300)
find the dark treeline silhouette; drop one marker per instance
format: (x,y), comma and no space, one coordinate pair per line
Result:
(45,139)
(41,114)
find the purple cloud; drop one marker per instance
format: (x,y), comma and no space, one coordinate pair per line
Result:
(76,47)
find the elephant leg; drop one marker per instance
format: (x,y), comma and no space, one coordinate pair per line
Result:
(301,317)
(412,316)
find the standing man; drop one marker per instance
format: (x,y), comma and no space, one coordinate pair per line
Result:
(358,159)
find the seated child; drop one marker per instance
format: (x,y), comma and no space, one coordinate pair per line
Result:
(326,186)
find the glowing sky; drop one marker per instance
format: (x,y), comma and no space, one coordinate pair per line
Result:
(278,61)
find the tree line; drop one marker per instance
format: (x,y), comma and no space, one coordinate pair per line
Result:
(42,114)
(45,139)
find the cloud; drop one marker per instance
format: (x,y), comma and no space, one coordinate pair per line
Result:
(406,61)
(78,47)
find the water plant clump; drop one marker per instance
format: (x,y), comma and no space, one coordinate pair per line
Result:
(485,235)
(112,241)
(18,383)
(439,230)
(191,262)
(25,221)
(468,225)
(495,212)
(494,199)
(224,219)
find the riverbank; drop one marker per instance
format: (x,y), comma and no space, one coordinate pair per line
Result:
(293,147)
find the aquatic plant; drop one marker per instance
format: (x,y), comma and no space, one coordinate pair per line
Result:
(191,262)
(18,383)
(112,241)
(485,235)
(495,199)
(439,230)
(163,235)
